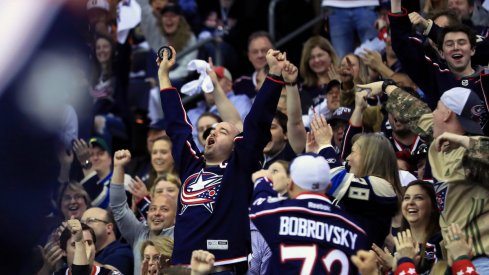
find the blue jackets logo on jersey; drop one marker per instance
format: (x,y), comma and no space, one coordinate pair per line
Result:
(200,189)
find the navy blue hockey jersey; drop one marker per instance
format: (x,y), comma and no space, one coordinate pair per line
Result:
(308,234)
(212,211)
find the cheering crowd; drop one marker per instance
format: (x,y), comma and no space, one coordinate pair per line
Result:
(361,149)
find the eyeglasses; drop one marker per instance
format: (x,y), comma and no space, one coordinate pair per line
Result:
(92,220)
(75,197)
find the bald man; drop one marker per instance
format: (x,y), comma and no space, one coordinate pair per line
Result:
(109,250)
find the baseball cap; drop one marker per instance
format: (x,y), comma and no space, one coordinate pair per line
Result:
(171,7)
(98,4)
(223,72)
(468,107)
(331,84)
(310,172)
(340,114)
(100,142)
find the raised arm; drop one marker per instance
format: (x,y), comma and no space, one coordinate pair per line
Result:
(403,106)
(225,107)
(323,134)
(356,125)
(127,222)
(257,124)
(373,60)
(296,132)
(80,257)
(178,126)
(410,51)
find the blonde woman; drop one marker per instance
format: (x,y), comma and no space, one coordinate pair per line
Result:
(370,190)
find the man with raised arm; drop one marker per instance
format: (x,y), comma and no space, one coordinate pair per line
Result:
(213,203)
(434,76)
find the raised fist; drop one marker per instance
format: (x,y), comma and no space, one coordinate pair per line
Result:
(122,157)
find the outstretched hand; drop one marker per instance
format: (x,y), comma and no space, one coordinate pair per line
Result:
(323,133)
(405,245)
(374,87)
(138,188)
(311,144)
(82,150)
(372,59)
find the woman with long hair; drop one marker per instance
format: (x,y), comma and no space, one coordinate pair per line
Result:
(318,61)
(162,167)
(176,31)
(370,191)
(420,214)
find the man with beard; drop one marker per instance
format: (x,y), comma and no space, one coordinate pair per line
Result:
(405,142)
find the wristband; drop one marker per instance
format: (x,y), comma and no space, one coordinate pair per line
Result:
(276,77)
(388,82)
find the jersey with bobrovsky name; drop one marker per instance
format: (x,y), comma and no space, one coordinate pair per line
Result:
(212,212)
(308,234)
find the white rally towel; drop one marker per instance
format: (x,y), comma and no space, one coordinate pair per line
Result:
(204,81)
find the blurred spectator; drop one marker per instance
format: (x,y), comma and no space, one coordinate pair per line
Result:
(73,200)
(329,105)
(99,19)
(96,162)
(151,22)
(352,72)
(258,45)
(177,32)
(109,250)
(433,6)
(240,102)
(471,14)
